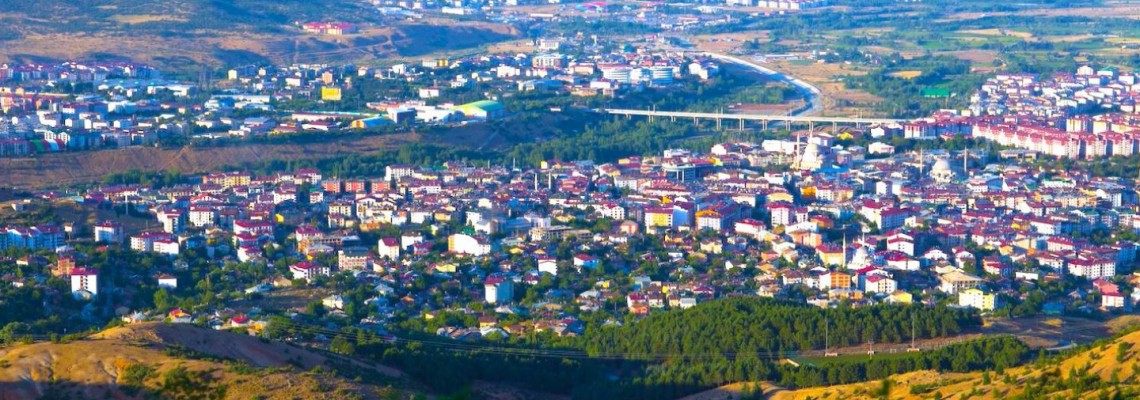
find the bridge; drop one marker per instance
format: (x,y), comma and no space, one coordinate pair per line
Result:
(741,118)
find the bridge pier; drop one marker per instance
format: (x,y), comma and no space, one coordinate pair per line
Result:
(834,128)
(788,121)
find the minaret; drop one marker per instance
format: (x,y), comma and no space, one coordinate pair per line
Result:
(966,162)
(844,248)
(920,163)
(536,181)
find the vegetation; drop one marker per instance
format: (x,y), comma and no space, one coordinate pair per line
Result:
(677,353)
(764,326)
(904,97)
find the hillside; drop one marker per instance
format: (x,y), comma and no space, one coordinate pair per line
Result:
(1111,369)
(172,360)
(185,33)
(77,167)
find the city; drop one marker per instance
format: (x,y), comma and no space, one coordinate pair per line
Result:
(629,200)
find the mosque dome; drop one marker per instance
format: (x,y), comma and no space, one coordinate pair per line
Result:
(941,171)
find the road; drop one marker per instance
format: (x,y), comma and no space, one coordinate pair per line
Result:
(810,93)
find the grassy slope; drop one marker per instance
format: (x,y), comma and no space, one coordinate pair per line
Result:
(958,386)
(91,368)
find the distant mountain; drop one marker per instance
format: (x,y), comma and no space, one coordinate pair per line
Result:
(183,361)
(187,33)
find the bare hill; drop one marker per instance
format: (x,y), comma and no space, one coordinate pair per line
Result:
(128,361)
(184,33)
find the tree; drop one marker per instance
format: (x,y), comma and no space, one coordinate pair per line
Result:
(341,345)
(179,383)
(162,300)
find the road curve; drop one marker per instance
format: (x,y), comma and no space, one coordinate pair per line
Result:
(810,92)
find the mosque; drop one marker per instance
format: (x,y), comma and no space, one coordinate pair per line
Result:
(941,171)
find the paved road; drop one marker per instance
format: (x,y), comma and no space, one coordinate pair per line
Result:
(810,93)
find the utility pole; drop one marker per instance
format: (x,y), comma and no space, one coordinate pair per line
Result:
(827,339)
(912,348)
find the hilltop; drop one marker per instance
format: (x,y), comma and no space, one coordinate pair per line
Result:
(186,33)
(1108,369)
(168,360)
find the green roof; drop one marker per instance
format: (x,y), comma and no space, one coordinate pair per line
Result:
(485,105)
(935,92)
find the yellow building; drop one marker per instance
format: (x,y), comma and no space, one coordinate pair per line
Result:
(808,192)
(901,297)
(781,196)
(978,299)
(329,93)
(661,218)
(832,256)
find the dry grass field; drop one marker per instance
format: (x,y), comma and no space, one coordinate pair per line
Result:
(70,168)
(827,77)
(95,367)
(906,74)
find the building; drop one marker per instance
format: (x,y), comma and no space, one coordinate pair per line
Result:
(483,109)
(109,232)
(976,298)
(146,241)
(957,281)
(167,281)
(331,93)
(658,217)
(84,283)
(470,245)
(1092,268)
(353,258)
(780,213)
(879,284)
(548,265)
(172,221)
(389,248)
(498,290)
(585,261)
(307,270)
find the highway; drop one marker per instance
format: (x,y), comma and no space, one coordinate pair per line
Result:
(810,92)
